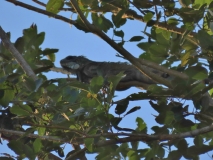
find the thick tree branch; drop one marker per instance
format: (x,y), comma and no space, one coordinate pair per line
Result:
(120,49)
(130,137)
(128,14)
(26,68)
(19,133)
(24,5)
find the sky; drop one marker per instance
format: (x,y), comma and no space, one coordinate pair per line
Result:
(71,41)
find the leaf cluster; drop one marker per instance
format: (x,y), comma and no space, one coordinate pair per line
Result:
(53,112)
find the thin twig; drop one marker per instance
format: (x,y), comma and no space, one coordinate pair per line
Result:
(40,3)
(48,138)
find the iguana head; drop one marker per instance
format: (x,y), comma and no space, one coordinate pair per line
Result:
(74,63)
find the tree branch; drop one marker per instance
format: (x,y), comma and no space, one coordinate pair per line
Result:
(120,49)
(24,5)
(26,68)
(130,137)
(128,14)
(47,138)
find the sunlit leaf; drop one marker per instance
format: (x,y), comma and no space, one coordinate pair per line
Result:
(89,143)
(54,6)
(141,124)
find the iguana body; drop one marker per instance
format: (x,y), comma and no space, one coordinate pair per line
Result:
(86,69)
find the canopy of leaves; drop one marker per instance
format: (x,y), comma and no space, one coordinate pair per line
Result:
(177,36)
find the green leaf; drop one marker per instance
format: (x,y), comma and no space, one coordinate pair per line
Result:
(2,79)
(155,90)
(39,39)
(196,88)
(79,85)
(51,57)
(185,58)
(114,80)
(115,121)
(30,84)
(89,143)
(70,94)
(16,146)
(41,131)
(197,72)
(119,33)
(48,51)
(97,81)
(159,108)
(160,130)
(23,110)
(136,38)
(81,26)
(101,22)
(86,2)
(158,150)
(165,118)
(29,33)
(172,21)
(158,51)
(37,145)
(29,152)
(198,141)
(54,6)
(201,2)
(166,34)
(141,124)
(174,155)
(133,110)
(148,16)
(6,96)
(135,145)
(144,45)
(169,117)
(182,146)
(123,149)
(117,19)
(19,44)
(121,106)
(60,152)
(204,39)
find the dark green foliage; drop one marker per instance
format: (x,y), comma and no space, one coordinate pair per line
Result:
(178,37)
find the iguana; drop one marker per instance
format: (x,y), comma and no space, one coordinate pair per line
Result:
(86,69)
